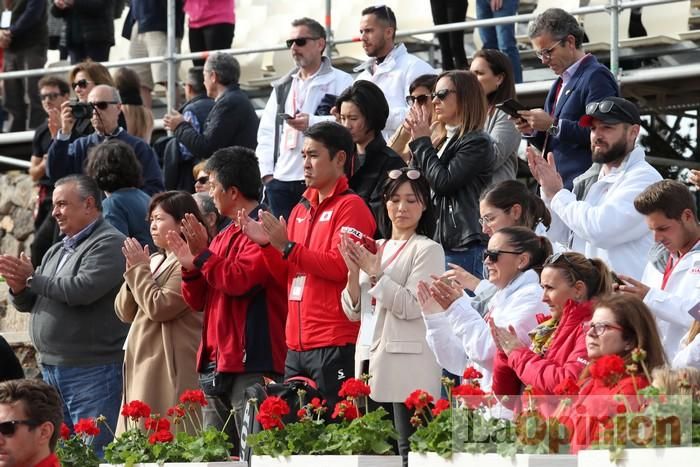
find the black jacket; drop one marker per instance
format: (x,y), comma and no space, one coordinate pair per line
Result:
(368,180)
(29,25)
(10,367)
(88,21)
(231,122)
(457,180)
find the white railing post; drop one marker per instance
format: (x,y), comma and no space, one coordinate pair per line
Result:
(614,37)
(171,59)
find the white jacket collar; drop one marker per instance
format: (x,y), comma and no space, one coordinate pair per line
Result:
(397,52)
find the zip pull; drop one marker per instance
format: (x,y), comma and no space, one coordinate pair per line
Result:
(452,215)
(245,356)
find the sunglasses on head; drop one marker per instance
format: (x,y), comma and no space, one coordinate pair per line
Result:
(411,174)
(81,83)
(202,180)
(603,106)
(49,95)
(442,94)
(421,99)
(9,427)
(300,41)
(102,105)
(493,255)
(552,260)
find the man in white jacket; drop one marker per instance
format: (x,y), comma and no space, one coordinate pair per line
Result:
(390,66)
(301,98)
(597,218)
(670,286)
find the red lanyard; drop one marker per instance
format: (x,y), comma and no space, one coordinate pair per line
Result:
(388,262)
(670,266)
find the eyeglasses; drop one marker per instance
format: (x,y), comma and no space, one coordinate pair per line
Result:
(599,329)
(488,220)
(49,95)
(546,54)
(442,94)
(411,174)
(9,427)
(603,106)
(552,260)
(81,83)
(493,255)
(300,41)
(421,99)
(102,105)
(202,180)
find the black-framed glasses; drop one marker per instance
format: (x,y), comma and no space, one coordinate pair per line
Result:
(81,83)
(102,105)
(546,54)
(493,255)
(553,259)
(49,95)
(488,219)
(9,427)
(411,173)
(202,180)
(600,328)
(300,41)
(602,106)
(442,94)
(421,99)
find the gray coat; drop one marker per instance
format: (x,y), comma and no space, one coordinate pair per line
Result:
(506,140)
(72,311)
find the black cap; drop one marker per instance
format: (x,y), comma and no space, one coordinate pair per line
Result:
(611,110)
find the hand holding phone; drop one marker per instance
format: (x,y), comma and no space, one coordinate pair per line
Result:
(365,240)
(511,107)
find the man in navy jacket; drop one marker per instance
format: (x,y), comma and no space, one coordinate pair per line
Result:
(557,39)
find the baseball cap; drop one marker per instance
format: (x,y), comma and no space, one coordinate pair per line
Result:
(611,110)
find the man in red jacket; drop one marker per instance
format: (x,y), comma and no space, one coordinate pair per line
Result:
(244,307)
(304,255)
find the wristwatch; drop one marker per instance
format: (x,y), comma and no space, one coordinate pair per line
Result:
(288,249)
(553,128)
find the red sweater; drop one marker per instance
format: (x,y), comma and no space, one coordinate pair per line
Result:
(244,308)
(317,320)
(49,461)
(566,357)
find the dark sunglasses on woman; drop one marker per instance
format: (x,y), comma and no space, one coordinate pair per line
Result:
(493,255)
(421,99)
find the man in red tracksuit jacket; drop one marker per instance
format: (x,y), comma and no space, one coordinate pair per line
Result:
(244,307)
(304,256)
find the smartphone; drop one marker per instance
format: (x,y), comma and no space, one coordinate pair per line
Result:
(617,280)
(286,116)
(511,107)
(365,240)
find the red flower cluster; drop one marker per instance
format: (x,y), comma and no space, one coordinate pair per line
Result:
(176,411)
(609,369)
(136,410)
(194,396)
(345,409)
(440,406)
(271,412)
(418,400)
(65,431)
(467,390)
(472,373)
(86,426)
(157,424)
(568,387)
(161,436)
(354,388)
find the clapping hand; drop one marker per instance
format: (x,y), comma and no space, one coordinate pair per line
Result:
(134,253)
(195,234)
(459,276)
(545,172)
(418,122)
(506,339)
(253,229)
(179,247)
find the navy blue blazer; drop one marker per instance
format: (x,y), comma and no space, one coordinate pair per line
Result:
(592,82)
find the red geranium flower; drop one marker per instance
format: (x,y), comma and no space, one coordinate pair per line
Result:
(161,436)
(354,388)
(440,406)
(609,369)
(467,390)
(65,431)
(568,387)
(194,396)
(157,424)
(176,411)
(136,410)
(345,409)
(472,373)
(271,412)
(418,400)
(86,426)
(317,403)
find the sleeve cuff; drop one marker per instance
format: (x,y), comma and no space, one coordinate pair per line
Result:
(561,199)
(60,136)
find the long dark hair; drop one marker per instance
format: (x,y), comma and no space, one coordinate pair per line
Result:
(421,188)
(500,65)
(508,193)
(524,240)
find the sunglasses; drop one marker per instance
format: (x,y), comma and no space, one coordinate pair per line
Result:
(552,260)
(493,255)
(421,99)
(202,180)
(546,54)
(9,427)
(300,41)
(442,94)
(411,174)
(49,95)
(102,105)
(600,328)
(603,106)
(81,83)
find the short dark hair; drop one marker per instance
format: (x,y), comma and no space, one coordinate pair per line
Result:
(128,83)
(508,193)
(667,196)
(113,165)
(524,240)
(384,14)
(226,67)
(557,23)
(40,401)
(371,102)
(312,25)
(334,136)
(60,83)
(87,187)
(195,78)
(177,204)
(237,166)
(425,81)
(499,63)
(421,188)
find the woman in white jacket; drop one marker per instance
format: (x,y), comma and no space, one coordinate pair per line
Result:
(457,333)
(689,353)
(380,292)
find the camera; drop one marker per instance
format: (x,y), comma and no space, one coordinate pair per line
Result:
(80,110)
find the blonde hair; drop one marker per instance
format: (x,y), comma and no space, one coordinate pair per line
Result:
(681,381)
(139,121)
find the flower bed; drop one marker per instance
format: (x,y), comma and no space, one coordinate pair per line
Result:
(491,460)
(326,461)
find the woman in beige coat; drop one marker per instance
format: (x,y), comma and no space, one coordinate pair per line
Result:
(381,292)
(161,348)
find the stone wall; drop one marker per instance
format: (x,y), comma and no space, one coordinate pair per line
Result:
(17,201)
